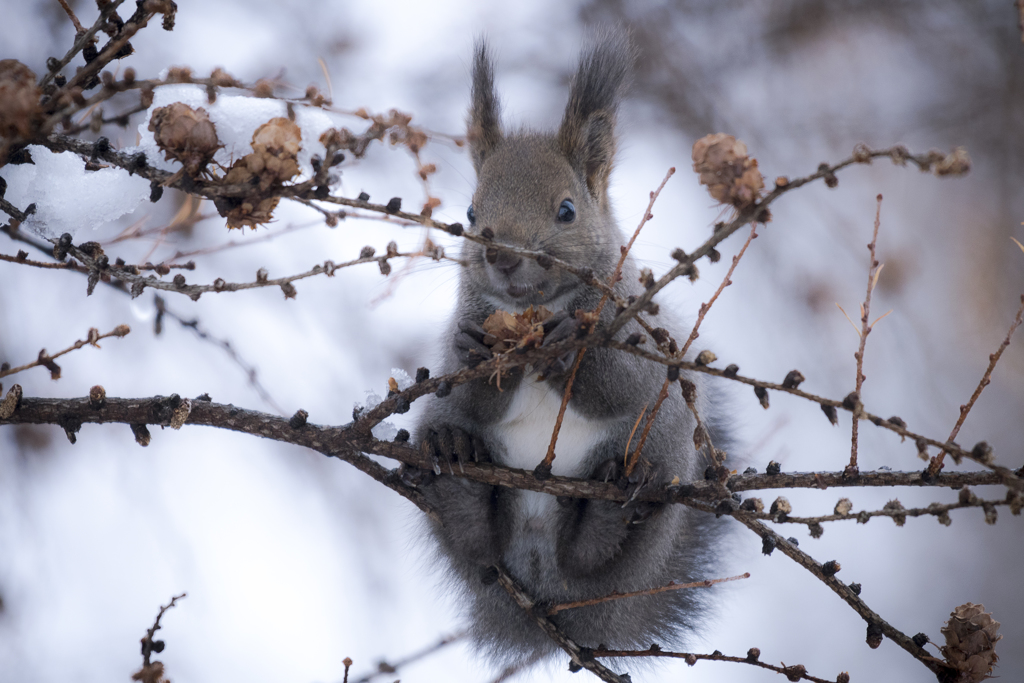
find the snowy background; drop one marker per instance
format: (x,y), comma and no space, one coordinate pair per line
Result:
(293,562)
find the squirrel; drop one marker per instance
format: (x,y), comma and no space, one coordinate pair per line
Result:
(549,192)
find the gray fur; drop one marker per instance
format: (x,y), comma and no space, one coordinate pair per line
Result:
(575,549)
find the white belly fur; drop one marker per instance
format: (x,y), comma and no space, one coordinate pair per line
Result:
(525,433)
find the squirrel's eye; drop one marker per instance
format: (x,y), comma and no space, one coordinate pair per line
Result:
(566,212)
(471,215)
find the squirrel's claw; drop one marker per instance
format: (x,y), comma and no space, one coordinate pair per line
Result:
(446,445)
(643,511)
(609,470)
(557,365)
(565,326)
(472,329)
(472,352)
(557,328)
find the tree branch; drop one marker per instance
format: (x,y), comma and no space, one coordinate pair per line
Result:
(347,442)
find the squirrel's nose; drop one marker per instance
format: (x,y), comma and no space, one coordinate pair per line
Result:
(508,263)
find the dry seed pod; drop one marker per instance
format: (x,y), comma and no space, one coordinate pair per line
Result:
(896,506)
(10,402)
(1016,502)
(186,135)
(956,163)
(752,505)
(982,452)
(223,79)
(646,278)
(705,357)
(274,159)
(731,176)
(506,330)
(844,506)
(275,146)
(181,413)
(971,634)
(781,506)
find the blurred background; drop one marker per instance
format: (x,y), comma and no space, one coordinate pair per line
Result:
(293,562)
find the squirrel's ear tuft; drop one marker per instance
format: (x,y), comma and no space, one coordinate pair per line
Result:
(587,134)
(484,130)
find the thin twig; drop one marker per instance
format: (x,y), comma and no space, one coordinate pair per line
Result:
(305,191)
(232,244)
(139,283)
(671,586)
(135,23)
(121,119)
(251,373)
(487,368)
(893,424)
(384,667)
(545,465)
(758,212)
(939,510)
(147,640)
(163,309)
(14,212)
(71,16)
(794,672)
(936,464)
(874,269)
(514,669)
(35,264)
(726,281)
(47,360)
(635,457)
(81,41)
(694,333)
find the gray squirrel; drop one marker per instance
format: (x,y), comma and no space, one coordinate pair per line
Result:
(549,192)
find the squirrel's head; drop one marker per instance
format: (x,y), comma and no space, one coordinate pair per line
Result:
(546,192)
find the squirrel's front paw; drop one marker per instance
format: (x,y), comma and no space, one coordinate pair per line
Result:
(559,327)
(469,343)
(446,445)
